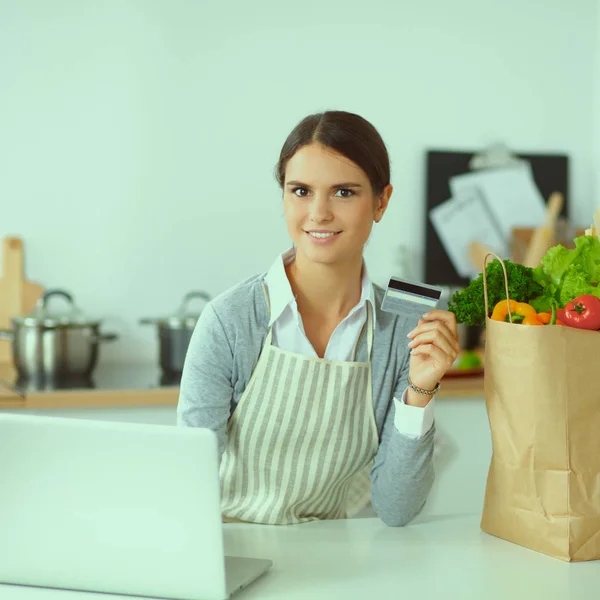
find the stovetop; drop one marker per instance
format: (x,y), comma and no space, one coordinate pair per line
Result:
(104,377)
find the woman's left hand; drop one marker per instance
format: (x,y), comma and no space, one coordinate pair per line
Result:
(434,348)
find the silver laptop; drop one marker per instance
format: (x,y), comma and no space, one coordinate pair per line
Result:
(114,507)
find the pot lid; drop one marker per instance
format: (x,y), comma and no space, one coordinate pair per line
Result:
(64,316)
(184,317)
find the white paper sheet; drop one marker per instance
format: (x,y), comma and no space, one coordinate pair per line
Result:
(462,220)
(510,193)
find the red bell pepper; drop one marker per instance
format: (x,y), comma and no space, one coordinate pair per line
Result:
(583,312)
(552,317)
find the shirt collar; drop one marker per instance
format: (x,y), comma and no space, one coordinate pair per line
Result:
(281,295)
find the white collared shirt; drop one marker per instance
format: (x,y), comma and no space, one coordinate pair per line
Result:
(289,334)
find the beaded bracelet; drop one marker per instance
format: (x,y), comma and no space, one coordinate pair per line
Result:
(422,391)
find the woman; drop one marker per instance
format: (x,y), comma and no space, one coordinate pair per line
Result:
(319,401)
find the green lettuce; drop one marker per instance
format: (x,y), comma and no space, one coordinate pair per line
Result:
(576,281)
(566,273)
(588,257)
(556,261)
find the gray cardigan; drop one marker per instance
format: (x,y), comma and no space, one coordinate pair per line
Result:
(221,357)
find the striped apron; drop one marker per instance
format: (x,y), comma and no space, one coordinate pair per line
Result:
(301,441)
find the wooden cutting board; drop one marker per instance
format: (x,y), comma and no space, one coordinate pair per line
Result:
(17,295)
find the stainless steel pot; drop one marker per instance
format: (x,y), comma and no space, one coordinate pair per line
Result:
(175,332)
(55,345)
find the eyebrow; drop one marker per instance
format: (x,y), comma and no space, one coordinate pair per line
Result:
(347,184)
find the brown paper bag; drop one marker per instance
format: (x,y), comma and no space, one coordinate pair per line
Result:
(542,392)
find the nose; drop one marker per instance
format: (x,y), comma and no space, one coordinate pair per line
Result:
(320,209)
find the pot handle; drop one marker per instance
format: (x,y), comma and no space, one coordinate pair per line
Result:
(105,337)
(41,306)
(7,334)
(190,296)
(182,308)
(44,299)
(148,321)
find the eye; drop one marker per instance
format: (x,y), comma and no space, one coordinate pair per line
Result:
(300,192)
(345,193)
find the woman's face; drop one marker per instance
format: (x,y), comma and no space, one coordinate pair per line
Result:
(329,205)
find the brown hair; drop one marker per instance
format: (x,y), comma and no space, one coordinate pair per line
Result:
(346,133)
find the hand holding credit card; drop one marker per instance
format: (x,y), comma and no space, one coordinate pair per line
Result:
(433,342)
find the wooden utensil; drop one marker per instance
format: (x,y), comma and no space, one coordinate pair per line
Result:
(543,236)
(477,253)
(17,296)
(597,223)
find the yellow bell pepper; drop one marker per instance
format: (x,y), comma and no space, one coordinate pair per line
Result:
(521,312)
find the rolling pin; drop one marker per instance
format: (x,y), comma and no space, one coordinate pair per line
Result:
(477,254)
(597,223)
(543,236)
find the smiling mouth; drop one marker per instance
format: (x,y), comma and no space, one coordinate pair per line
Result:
(321,235)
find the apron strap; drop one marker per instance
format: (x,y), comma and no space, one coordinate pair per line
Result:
(369,327)
(266,293)
(270,332)
(370,333)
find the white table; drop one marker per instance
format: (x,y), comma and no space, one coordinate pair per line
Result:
(443,553)
(440,556)
(445,556)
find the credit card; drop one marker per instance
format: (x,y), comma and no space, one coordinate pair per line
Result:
(409,298)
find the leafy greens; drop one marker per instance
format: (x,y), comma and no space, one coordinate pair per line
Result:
(566,273)
(563,275)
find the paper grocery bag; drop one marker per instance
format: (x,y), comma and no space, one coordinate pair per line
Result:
(542,392)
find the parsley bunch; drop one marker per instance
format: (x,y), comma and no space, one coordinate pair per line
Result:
(469,305)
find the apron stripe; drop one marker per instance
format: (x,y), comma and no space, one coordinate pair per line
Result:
(268,427)
(369,431)
(275,450)
(331,460)
(248,436)
(228,472)
(296,417)
(312,472)
(357,417)
(301,490)
(326,466)
(256,437)
(291,473)
(338,459)
(353,449)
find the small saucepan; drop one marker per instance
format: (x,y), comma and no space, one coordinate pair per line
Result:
(175,332)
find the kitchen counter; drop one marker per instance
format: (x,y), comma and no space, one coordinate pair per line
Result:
(436,556)
(141,385)
(111,385)
(461,387)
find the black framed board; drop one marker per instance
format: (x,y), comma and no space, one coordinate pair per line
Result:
(550,172)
